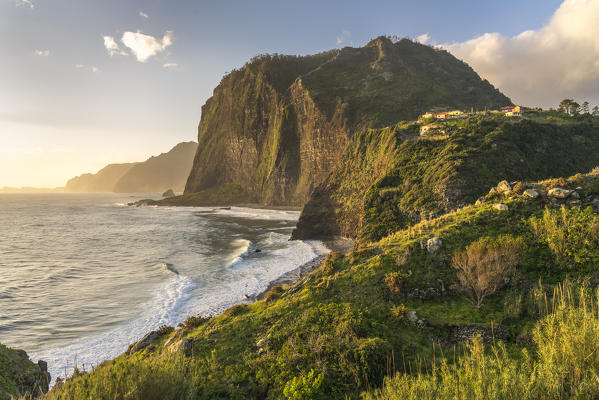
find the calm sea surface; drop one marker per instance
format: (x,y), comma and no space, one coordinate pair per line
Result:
(83,275)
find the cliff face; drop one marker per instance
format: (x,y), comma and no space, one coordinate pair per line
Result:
(157,174)
(277,126)
(102,181)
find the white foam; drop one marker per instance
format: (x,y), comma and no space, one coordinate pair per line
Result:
(161,310)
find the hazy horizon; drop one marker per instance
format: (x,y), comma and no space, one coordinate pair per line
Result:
(90,83)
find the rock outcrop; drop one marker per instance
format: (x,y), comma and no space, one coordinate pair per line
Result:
(279,125)
(19,376)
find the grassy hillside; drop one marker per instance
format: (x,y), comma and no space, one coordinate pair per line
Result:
(426,176)
(19,376)
(398,305)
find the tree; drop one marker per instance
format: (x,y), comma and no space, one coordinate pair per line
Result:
(596,111)
(485,264)
(569,106)
(585,108)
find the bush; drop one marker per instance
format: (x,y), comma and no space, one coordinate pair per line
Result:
(165,330)
(571,234)
(395,282)
(398,312)
(274,293)
(193,322)
(485,264)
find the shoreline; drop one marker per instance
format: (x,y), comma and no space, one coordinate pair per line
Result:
(292,277)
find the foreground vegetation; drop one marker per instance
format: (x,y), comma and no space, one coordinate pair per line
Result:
(561,362)
(395,312)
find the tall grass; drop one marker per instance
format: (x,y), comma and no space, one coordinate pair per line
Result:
(563,363)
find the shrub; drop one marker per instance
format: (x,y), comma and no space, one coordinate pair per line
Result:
(165,330)
(571,234)
(395,282)
(398,312)
(304,387)
(193,322)
(485,264)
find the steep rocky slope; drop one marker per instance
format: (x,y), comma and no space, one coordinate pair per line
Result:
(277,126)
(102,181)
(390,178)
(157,174)
(19,376)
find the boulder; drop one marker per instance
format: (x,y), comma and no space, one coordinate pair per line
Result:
(143,343)
(433,244)
(500,206)
(504,187)
(531,193)
(559,193)
(168,193)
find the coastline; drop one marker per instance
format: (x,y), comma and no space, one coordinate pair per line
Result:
(292,277)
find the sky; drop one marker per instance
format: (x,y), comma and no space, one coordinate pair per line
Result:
(86,83)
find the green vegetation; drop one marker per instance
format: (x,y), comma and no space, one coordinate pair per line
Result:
(19,376)
(562,363)
(392,183)
(392,307)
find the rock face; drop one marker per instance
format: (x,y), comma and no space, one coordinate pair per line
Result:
(531,193)
(19,376)
(559,193)
(279,125)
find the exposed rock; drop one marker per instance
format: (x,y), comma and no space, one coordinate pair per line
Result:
(413,319)
(531,193)
(464,333)
(575,196)
(143,343)
(168,193)
(500,206)
(559,193)
(433,244)
(504,187)
(19,376)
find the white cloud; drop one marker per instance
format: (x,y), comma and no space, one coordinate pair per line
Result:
(112,46)
(171,66)
(145,46)
(541,67)
(42,53)
(78,65)
(344,37)
(144,15)
(25,3)
(424,38)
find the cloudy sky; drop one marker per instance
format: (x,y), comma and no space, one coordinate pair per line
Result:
(88,82)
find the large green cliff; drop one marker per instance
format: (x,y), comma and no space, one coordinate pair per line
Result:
(277,126)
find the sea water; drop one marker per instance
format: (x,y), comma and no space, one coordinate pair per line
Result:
(82,276)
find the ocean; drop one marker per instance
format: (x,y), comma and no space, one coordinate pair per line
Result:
(82,276)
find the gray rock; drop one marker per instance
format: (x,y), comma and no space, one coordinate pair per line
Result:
(531,193)
(500,206)
(143,343)
(559,193)
(168,193)
(575,196)
(504,187)
(433,244)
